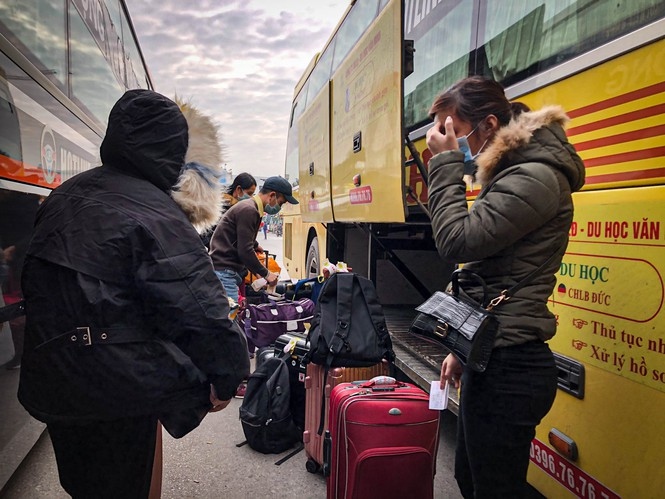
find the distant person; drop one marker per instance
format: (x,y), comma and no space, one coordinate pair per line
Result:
(521,217)
(233,244)
(127,323)
(264,227)
(242,187)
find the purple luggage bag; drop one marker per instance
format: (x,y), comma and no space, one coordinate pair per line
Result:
(266,322)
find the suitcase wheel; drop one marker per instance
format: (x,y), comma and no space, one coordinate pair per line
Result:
(312,466)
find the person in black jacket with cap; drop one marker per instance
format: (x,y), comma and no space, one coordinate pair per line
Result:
(127,323)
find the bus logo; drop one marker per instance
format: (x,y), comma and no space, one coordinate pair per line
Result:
(48,155)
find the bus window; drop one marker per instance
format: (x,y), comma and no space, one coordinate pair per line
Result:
(321,73)
(10,137)
(92,79)
(136,75)
(522,38)
(291,166)
(443,39)
(39,26)
(361,16)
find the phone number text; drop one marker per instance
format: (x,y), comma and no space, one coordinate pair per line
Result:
(567,474)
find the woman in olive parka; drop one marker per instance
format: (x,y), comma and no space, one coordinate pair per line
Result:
(528,170)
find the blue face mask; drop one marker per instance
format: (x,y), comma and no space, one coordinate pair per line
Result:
(244,196)
(463,144)
(469,159)
(272,210)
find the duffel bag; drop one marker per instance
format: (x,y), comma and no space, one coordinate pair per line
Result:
(264,323)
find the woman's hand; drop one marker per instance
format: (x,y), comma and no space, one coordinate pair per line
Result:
(217,405)
(451,371)
(441,137)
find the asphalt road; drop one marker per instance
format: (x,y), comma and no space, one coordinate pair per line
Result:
(207,464)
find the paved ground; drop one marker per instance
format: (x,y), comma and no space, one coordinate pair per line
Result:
(207,464)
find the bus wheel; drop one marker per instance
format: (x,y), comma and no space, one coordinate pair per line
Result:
(313,264)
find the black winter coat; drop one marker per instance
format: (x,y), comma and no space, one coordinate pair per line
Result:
(113,251)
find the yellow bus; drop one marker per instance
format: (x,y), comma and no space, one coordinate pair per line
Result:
(364,99)
(63,64)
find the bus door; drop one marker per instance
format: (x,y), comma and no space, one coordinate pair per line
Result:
(367,140)
(314,159)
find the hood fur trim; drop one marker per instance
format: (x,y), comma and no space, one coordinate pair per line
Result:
(197,192)
(514,135)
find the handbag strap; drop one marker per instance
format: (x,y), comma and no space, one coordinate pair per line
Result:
(454,281)
(506,294)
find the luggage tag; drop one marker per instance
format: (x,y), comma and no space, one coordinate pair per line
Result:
(438,398)
(290,347)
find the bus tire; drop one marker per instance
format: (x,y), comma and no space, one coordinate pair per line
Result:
(313,262)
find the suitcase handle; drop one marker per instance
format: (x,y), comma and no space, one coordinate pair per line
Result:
(382,383)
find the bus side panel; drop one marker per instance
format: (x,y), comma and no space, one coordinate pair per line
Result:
(314,159)
(609,305)
(616,112)
(367,142)
(610,288)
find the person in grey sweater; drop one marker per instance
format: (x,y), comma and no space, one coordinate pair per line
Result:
(233,244)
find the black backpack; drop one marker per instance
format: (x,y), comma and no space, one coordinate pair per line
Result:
(265,412)
(348,328)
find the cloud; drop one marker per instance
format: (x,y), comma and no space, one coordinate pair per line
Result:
(237,61)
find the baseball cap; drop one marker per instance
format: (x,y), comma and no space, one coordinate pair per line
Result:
(281,185)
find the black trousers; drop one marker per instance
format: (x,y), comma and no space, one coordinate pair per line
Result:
(105,459)
(499,411)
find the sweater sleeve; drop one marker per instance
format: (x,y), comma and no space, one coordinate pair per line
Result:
(247,229)
(519,200)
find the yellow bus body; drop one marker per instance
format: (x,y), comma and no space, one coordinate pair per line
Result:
(610,289)
(610,292)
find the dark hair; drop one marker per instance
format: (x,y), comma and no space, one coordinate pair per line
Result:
(476,97)
(243,180)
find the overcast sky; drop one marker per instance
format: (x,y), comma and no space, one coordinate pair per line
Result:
(237,60)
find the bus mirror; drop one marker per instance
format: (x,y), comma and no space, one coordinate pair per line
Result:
(409,50)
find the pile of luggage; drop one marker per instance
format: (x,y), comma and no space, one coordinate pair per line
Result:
(324,383)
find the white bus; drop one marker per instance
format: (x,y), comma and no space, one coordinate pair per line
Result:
(63,64)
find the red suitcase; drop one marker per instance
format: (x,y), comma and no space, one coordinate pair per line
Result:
(382,441)
(315,388)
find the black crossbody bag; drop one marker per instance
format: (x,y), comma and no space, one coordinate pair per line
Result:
(463,326)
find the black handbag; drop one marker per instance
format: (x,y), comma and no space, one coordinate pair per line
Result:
(463,326)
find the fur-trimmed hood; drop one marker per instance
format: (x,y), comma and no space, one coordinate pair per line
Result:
(198,191)
(534,136)
(173,146)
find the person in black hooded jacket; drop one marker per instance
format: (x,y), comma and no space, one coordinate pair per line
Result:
(127,322)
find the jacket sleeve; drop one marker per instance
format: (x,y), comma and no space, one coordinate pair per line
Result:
(247,243)
(185,303)
(519,200)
